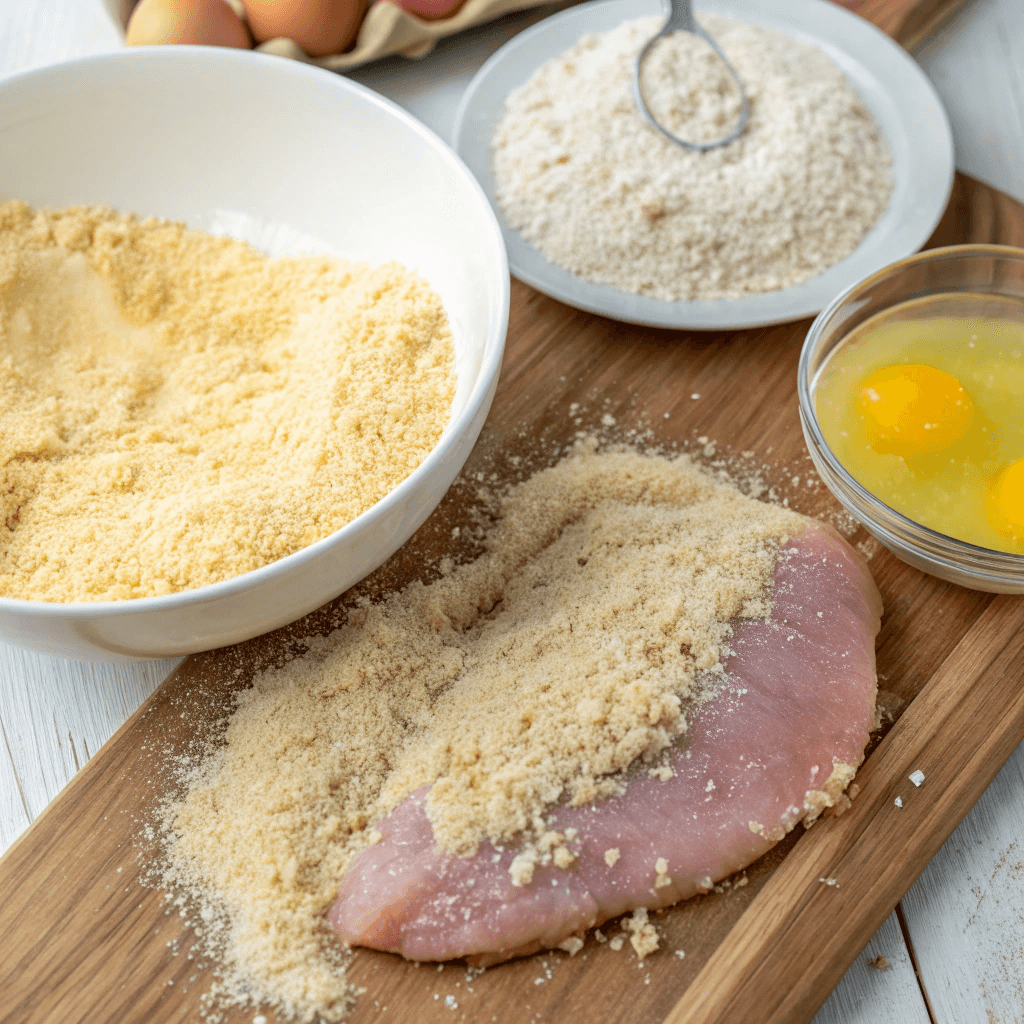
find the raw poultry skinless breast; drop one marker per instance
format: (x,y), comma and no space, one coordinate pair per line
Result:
(776,744)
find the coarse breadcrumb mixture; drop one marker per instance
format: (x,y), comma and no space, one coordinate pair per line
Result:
(537,672)
(177,409)
(600,192)
(643,936)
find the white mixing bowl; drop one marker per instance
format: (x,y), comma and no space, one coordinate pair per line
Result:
(289,157)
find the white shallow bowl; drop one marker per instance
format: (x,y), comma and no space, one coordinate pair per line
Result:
(889,81)
(291,158)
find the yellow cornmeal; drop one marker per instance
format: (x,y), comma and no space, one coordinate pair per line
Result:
(176,408)
(539,671)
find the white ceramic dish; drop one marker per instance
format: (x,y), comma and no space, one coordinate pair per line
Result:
(891,84)
(295,158)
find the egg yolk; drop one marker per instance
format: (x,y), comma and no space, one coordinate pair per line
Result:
(914,409)
(1006,501)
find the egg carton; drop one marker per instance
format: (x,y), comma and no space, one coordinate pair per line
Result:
(386,30)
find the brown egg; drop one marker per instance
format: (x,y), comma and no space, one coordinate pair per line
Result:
(206,22)
(431,10)
(320,27)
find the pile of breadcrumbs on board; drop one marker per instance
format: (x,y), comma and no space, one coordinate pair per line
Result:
(177,409)
(607,583)
(586,180)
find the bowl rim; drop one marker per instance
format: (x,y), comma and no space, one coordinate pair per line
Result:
(185,57)
(951,549)
(829,27)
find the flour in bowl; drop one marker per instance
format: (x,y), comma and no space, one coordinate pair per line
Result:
(598,191)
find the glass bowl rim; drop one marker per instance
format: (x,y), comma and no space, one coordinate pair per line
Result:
(946,550)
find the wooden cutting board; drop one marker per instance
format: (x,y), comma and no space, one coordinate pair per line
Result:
(81,939)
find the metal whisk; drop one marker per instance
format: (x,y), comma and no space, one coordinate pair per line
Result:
(680,19)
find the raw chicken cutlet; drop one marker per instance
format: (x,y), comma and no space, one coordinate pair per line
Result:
(639,683)
(777,740)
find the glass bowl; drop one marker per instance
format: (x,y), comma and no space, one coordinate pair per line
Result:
(975,269)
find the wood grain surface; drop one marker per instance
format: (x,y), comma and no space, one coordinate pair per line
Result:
(910,24)
(82,938)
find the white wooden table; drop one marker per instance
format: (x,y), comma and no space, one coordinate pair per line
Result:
(962,924)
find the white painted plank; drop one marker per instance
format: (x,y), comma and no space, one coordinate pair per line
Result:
(1010,15)
(38,32)
(965,914)
(971,63)
(55,714)
(14,817)
(867,995)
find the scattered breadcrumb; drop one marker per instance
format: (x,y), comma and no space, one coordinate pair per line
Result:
(880,963)
(842,804)
(662,878)
(831,794)
(521,868)
(549,848)
(643,936)
(562,858)
(611,857)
